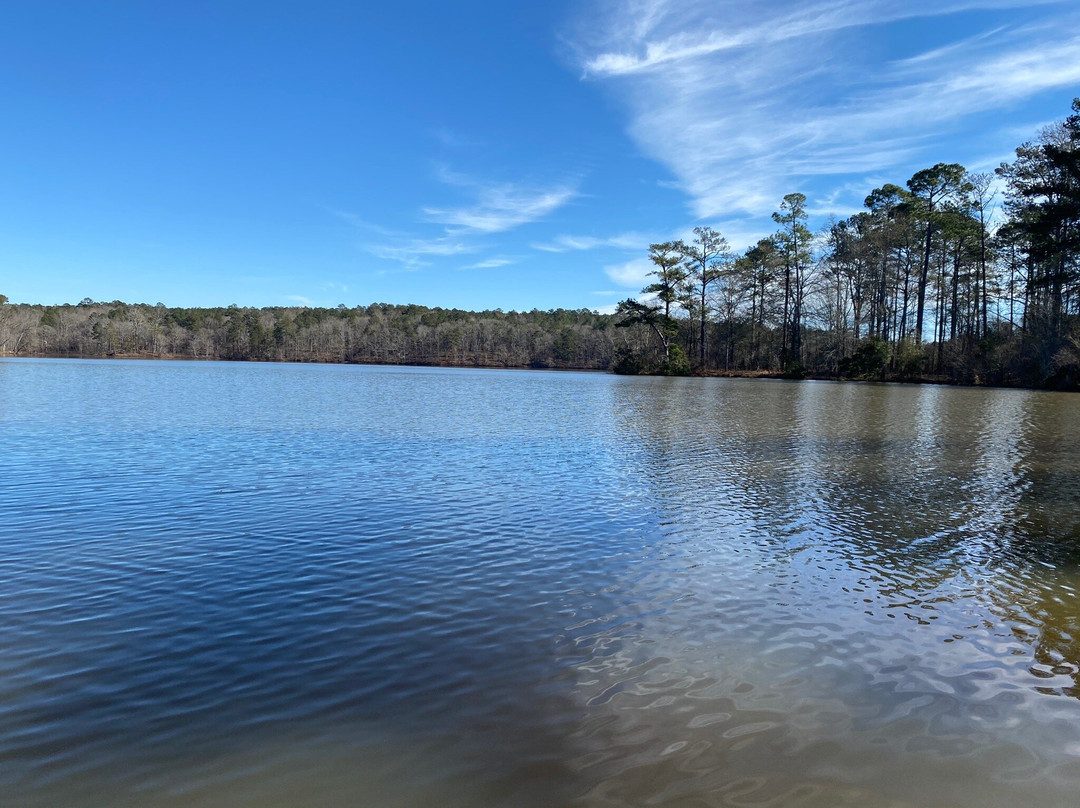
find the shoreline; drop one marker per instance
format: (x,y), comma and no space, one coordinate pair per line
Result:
(698,374)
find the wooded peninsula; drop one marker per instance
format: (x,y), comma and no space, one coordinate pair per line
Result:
(936,280)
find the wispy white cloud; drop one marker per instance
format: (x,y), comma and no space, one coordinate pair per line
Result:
(494,208)
(492,263)
(675,31)
(746,102)
(404,248)
(502,208)
(632,274)
(413,254)
(843,199)
(304,301)
(360,223)
(497,206)
(623,241)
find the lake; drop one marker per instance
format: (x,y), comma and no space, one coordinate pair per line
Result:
(319,585)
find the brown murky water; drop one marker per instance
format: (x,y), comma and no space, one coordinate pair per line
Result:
(272,585)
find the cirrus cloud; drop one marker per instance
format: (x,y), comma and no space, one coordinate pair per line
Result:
(746,102)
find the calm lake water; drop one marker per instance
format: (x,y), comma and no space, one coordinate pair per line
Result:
(285,585)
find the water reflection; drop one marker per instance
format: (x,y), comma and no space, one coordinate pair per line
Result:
(867,547)
(280,585)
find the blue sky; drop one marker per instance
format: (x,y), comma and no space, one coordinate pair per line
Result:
(476,154)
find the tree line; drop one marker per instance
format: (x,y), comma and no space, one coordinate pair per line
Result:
(378,334)
(938,279)
(935,279)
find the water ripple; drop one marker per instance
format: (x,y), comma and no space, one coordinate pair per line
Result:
(281,585)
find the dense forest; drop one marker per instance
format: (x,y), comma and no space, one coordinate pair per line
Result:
(955,276)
